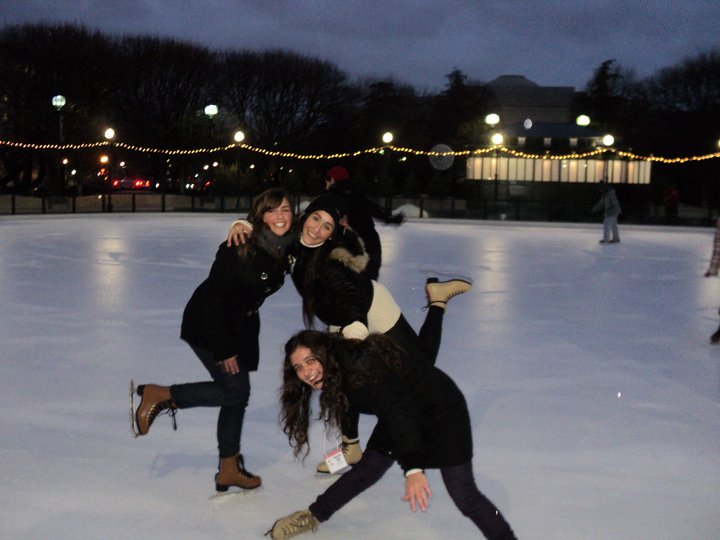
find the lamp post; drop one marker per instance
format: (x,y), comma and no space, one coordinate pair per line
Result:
(210,111)
(607,140)
(58,102)
(109,136)
(387,138)
(238,137)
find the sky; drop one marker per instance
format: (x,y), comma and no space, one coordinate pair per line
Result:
(550,42)
(593,391)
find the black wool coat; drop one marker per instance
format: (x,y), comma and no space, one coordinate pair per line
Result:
(342,291)
(423,419)
(222,314)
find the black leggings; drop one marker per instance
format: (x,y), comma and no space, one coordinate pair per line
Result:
(459,482)
(229,392)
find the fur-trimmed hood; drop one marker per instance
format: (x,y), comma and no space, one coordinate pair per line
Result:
(351,252)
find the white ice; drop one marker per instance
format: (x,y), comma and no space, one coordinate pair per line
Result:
(593,389)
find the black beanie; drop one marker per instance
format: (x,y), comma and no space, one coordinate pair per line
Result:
(332,204)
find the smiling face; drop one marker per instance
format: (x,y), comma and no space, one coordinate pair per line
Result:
(318,227)
(279,219)
(307,367)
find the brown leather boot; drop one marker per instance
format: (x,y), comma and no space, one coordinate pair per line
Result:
(155,399)
(232,472)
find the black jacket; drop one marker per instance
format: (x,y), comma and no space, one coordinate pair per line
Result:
(342,291)
(423,419)
(221,316)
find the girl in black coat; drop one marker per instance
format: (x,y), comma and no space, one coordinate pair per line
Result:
(423,422)
(221,324)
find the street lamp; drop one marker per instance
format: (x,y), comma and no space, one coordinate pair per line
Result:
(238,137)
(210,111)
(607,140)
(387,137)
(59,102)
(109,135)
(492,120)
(583,120)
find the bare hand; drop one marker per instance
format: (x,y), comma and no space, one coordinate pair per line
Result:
(238,234)
(230,365)
(417,491)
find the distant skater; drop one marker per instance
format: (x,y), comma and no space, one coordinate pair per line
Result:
(713,270)
(610,206)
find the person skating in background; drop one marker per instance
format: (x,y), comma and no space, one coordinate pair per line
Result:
(221,324)
(610,207)
(361,212)
(423,423)
(713,270)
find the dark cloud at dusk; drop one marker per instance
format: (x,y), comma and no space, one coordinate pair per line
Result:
(553,43)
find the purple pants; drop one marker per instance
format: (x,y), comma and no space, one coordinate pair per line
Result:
(459,481)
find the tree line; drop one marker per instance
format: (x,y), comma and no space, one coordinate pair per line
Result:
(153,92)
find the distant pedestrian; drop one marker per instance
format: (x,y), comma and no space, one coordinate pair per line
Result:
(610,206)
(672,202)
(713,270)
(361,212)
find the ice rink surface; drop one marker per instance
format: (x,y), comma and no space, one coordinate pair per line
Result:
(593,390)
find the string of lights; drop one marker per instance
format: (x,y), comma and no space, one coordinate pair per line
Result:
(340,155)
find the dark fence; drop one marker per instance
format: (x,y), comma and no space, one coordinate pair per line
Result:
(413,207)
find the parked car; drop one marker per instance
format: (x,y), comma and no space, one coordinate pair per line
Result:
(131,183)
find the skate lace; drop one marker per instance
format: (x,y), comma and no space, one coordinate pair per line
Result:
(305,521)
(164,407)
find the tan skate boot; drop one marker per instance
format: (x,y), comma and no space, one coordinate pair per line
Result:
(155,399)
(293,525)
(440,292)
(351,450)
(232,472)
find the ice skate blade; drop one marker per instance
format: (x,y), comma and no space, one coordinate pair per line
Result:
(227,496)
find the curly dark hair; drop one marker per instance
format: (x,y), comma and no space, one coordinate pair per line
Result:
(360,363)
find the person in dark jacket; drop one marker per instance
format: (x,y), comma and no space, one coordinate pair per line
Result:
(422,422)
(221,324)
(361,212)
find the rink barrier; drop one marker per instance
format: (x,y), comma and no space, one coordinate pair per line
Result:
(412,207)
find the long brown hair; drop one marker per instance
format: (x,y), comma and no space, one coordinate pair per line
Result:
(267,200)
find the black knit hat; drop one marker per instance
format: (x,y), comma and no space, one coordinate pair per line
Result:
(332,204)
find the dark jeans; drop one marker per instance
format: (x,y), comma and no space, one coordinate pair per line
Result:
(458,480)
(229,392)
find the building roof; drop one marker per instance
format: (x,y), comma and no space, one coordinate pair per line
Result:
(555,130)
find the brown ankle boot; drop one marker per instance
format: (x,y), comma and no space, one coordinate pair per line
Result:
(155,399)
(232,472)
